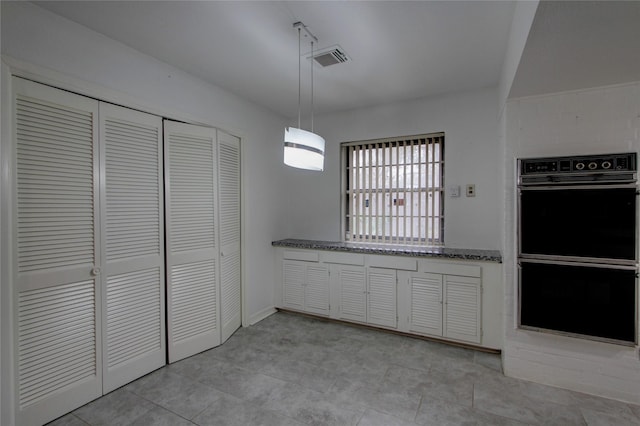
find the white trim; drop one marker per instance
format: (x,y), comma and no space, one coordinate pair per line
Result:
(243,240)
(574,91)
(365,197)
(260,315)
(7,383)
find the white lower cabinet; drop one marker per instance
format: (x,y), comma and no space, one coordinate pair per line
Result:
(382,297)
(462,308)
(455,300)
(353,293)
(368,295)
(426,304)
(306,286)
(446,306)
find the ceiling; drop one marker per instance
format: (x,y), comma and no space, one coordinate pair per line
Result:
(574,45)
(398,50)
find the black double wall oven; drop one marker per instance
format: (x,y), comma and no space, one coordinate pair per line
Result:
(578,246)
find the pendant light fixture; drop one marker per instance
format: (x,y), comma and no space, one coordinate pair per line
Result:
(303,149)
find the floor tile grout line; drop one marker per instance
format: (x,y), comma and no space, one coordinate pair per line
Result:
(310,338)
(163,407)
(473,395)
(80,419)
(415,418)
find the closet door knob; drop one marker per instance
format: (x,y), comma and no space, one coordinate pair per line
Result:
(95,271)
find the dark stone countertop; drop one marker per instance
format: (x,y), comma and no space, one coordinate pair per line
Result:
(394,250)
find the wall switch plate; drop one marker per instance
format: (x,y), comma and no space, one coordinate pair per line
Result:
(471,190)
(454,191)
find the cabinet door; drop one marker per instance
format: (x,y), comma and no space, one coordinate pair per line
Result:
(229,202)
(353,293)
(294,275)
(192,250)
(316,294)
(133,245)
(382,297)
(426,304)
(462,308)
(56,269)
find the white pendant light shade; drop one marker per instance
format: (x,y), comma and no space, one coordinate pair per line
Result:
(303,149)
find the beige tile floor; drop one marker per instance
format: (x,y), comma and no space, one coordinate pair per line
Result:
(294,370)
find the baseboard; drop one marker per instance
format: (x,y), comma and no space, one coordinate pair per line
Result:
(260,315)
(392,331)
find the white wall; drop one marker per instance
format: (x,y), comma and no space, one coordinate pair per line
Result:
(41,38)
(36,42)
(523,16)
(472,155)
(594,121)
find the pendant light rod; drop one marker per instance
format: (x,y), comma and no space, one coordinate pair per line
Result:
(301,25)
(312,86)
(299,79)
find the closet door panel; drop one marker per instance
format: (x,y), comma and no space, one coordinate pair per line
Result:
(229,202)
(192,251)
(133,229)
(57,343)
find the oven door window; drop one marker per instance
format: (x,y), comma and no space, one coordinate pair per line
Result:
(589,301)
(595,223)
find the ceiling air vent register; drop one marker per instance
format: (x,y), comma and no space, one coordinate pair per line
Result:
(330,56)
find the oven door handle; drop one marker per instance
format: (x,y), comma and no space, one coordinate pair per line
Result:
(588,264)
(576,187)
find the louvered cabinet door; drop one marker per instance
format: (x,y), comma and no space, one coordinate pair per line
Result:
(192,267)
(353,293)
(57,347)
(229,217)
(133,245)
(294,275)
(462,308)
(426,304)
(382,297)
(316,290)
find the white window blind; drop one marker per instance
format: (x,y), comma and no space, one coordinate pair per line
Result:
(394,190)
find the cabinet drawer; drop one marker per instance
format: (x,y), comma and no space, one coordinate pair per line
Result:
(309,256)
(452,269)
(393,262)
(343,258)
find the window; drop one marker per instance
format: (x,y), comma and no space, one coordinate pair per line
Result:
(393,190)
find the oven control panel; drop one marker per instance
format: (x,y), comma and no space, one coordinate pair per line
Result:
(588,164)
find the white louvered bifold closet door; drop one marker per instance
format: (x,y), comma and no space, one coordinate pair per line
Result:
(229,217)
(57,346)
(133,245)
(192,252)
